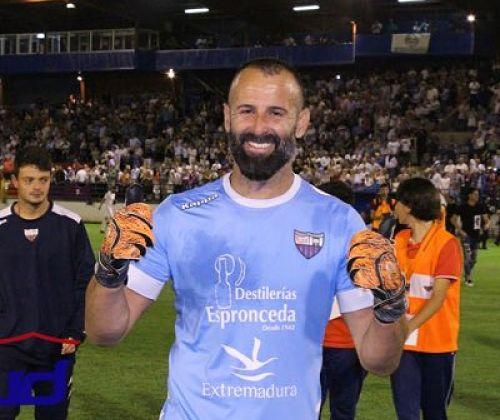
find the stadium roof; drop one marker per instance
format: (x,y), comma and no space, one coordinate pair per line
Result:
(49,15)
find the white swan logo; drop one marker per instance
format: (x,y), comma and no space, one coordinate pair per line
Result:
(249,364)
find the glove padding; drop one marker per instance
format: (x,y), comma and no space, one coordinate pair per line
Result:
(129,234)
(372,265)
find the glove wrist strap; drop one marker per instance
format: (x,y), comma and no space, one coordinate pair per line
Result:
(391,309)
(111,273)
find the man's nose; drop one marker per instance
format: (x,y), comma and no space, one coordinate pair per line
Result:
(37,185)
(260,125)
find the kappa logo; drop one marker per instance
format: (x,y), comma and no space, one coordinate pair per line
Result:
(249,365)
(31,234)
(198,203)
(308,244)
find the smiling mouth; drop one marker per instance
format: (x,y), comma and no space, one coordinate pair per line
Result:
(258,148)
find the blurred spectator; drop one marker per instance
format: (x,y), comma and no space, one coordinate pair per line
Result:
(421,27)
(377,27)
(3,192)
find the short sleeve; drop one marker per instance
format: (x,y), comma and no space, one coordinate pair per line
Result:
(450,261)
(351,298)
(148,275)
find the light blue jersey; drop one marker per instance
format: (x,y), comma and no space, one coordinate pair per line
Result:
(254,282)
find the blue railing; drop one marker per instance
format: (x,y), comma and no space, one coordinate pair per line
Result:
(441,43)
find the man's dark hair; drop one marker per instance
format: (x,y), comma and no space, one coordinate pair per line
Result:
(134,194)
(32,155)
(272,67)
(340,190)
(471,190)
(422,197)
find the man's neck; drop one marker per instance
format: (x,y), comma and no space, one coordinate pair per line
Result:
(275,186)
(30,211)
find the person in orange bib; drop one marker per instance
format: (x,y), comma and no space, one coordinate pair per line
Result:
(431,259)
(341,375)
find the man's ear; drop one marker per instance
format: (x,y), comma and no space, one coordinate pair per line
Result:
(302,123)
(227,118)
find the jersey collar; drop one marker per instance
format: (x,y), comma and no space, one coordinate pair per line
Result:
(49,209)
(261,203)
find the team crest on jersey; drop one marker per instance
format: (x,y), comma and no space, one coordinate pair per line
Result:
(31,234)
(308,243)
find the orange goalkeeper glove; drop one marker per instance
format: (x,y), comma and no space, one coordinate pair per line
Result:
(372,265)
(129,234)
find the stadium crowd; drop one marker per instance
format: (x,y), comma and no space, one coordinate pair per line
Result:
(367,130)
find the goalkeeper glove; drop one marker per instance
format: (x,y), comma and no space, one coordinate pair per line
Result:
(373,265)
(128,235)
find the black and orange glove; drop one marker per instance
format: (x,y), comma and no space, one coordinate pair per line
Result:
(372,265)
(129,234)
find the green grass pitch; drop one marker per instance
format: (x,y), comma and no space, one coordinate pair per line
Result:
(128,382)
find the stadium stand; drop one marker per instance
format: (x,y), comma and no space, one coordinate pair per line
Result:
(120,97)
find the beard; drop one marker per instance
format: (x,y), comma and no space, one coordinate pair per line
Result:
(261,168)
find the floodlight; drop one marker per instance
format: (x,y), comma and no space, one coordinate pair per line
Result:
(471,18)
(306,8)
(197,10)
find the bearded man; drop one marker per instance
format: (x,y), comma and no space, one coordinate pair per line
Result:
(255,260)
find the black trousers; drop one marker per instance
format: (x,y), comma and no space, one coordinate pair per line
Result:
(54,410)
(423,382)
(470,246)
(342,378)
